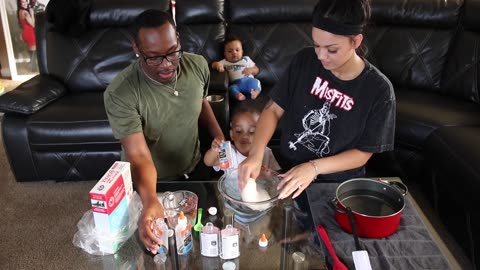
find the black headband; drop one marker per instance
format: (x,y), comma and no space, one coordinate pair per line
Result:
(335,27)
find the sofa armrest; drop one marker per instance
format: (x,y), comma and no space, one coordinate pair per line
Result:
(218,82)
(32,95)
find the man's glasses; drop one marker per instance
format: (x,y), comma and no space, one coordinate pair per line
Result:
(157,60)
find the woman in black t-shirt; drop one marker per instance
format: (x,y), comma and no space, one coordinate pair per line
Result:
(336,108)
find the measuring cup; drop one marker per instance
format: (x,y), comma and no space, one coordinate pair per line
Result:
(174,202)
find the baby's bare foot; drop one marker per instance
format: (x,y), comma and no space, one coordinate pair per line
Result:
(254,93)
(240,96)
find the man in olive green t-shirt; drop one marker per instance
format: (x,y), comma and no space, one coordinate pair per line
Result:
(154,107)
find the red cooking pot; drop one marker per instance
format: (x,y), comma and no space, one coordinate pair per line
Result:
(376,205)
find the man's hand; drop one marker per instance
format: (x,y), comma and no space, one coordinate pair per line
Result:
(150,213)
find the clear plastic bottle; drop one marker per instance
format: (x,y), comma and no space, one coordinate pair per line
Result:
(209,240)
(230,243)
(160,229)
(183,235)
(213,218)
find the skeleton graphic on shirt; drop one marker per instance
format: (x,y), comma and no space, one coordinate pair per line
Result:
(317,129)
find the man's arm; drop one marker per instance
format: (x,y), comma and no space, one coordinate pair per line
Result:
(143,169)
(207,119)
(145,176)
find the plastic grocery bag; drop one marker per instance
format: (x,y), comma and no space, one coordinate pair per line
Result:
(87,238)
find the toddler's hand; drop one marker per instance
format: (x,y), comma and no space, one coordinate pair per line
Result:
(247,72)
(216,144)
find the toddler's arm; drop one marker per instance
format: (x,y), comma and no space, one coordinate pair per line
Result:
(211,156)
(251,71)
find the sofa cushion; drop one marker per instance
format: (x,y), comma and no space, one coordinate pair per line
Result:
(416,13)
(201,25)
(90,60)
(454,152)
(75,122)
(262,30)
(409,41)
(462,71)
(32,95)
(420,113)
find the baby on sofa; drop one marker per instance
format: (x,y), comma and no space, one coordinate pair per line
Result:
(240,69)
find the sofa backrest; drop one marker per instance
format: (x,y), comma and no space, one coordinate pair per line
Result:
(201,25)
(409,40)
(461,77)
(89,60)
(272,32)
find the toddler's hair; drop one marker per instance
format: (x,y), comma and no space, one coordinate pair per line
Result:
(244,107)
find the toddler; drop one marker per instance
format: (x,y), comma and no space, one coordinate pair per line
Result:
(240,69)
(242,129)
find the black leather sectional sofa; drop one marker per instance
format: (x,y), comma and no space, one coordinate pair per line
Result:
(55,126)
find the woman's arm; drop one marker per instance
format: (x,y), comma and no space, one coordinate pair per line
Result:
(267,123)
(144,175)
(30,17)
(299,177)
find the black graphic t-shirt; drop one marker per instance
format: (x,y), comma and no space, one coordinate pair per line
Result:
(325,115)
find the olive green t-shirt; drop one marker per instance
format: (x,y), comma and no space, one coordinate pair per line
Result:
(136,103)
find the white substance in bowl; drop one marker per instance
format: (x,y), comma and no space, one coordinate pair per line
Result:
(253,193)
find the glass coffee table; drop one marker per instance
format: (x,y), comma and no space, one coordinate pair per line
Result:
(288,246)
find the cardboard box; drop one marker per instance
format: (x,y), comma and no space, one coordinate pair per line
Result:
(110,199)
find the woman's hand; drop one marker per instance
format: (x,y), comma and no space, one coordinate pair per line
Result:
(248,169)
(296,180)
(150,213)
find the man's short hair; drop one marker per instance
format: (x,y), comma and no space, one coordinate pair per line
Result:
(151,18)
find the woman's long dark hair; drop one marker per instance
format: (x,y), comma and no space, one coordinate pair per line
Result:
(19,7)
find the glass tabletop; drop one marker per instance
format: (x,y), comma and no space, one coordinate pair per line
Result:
(288,246)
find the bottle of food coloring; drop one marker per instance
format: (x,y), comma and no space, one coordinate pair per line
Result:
(183,235)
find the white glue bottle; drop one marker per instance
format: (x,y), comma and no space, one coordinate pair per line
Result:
(160,229)
(183,235)
(230,243)
(209,240)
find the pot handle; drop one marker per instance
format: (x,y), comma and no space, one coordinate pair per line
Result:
(333,204)
(400,187)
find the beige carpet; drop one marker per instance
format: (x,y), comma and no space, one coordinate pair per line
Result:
(28,209)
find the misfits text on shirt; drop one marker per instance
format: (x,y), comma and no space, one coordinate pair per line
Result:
(338,99)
